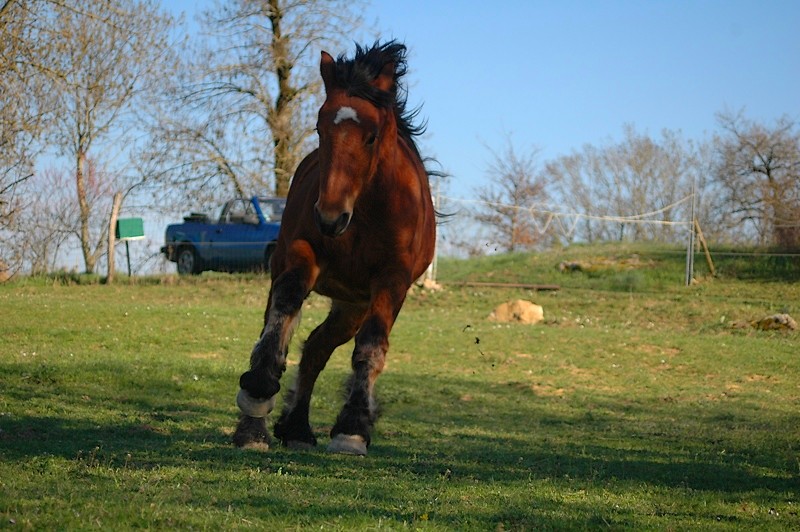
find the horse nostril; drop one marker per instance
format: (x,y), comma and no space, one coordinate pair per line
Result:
(342,222)
(332,228)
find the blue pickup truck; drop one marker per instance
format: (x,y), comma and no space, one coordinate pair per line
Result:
(242,239)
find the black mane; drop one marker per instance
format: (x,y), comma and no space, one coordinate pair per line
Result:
(356,76)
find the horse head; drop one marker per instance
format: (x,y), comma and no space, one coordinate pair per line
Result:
(356,125)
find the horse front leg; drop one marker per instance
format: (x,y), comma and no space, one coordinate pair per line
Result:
(351,433)
(293,427)
(259,385)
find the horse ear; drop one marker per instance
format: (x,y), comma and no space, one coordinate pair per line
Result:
(327,70)
(385,80)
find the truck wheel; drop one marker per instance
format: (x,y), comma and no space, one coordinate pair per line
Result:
(188,261)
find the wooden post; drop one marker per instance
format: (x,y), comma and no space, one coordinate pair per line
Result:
(112,236)
(702,240)
(690,252)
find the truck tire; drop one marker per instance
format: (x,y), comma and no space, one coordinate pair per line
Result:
(188,261)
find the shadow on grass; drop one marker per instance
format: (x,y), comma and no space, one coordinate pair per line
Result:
(439,442)
(717,447)
(729,447)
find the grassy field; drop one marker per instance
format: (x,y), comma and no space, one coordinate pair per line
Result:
(635,405)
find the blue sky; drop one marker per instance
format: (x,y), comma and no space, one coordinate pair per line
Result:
(559,74)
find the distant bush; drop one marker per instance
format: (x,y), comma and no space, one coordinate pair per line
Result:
(67,278)
(757,264)
(630,281)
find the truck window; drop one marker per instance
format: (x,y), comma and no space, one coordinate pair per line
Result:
(234,212)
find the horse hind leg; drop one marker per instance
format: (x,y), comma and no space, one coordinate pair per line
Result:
(293,427)
(351,433)
(261,383)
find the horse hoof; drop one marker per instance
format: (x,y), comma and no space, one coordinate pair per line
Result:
(297,445)
(348,444)
(259,446)
(254,407)
(251,433)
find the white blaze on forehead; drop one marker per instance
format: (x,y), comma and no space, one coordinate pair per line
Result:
(346,113)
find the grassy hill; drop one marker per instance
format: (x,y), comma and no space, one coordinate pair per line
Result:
(607,266)
(626,266)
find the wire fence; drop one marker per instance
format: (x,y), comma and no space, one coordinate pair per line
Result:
(743,263)
(544,216)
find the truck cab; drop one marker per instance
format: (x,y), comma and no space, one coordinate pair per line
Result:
(241,239)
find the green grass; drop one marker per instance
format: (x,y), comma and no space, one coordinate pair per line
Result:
(634,406)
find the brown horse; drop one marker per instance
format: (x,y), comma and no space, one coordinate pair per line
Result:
(359,228)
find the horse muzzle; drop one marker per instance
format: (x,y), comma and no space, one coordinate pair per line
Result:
(332,227)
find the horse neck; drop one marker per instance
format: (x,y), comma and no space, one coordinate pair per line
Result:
(399,149)
(400,172)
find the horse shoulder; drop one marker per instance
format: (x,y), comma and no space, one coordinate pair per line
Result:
(297,223)
(409,223)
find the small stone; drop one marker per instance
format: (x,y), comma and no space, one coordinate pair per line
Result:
(776,322)
(519,311)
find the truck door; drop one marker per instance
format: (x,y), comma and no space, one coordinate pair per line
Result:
(237,236)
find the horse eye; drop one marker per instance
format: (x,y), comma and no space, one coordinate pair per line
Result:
(371,139)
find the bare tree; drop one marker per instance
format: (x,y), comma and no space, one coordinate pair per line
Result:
(19,116)
(49,221)
(246,114)
(758,173)
(25,106)
(648,176)
(508,200)
(105,57)
(637,176)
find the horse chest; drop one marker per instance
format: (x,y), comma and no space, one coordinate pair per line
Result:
(349,271)
(340,286)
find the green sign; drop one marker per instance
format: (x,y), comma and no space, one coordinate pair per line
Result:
(130,229)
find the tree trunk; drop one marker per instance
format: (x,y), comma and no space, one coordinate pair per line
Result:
(112,236)
(83,203)
(281,118)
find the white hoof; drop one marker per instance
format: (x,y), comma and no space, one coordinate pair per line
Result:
(348,444)
(254,407)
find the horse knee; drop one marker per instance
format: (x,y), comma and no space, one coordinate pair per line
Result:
(289,292)
(368,362)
